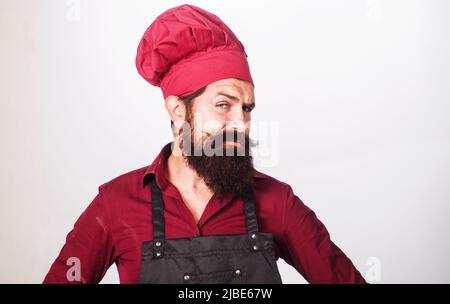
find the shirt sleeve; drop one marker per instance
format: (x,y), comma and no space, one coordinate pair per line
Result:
(88,251)
(306,245)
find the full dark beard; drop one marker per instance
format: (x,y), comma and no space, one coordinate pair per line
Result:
(230,169)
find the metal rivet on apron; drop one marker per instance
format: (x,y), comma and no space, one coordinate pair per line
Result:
(255,247)
(237,272)
(253,236)
(158,244)
(186,277)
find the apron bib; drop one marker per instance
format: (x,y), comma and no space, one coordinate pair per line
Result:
(214,259)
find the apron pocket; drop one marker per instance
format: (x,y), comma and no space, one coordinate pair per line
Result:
(221,277)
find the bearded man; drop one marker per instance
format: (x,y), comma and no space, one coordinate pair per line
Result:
(200,212)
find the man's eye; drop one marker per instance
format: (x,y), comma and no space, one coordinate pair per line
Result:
(247,108)
(222,105)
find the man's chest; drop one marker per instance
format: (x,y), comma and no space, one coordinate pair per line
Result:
(133,225)
(196,204)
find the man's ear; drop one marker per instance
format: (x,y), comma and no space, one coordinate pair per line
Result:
(176,108)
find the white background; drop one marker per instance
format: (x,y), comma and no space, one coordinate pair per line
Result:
(360,90)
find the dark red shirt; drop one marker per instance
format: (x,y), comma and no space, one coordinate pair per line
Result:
(114,225)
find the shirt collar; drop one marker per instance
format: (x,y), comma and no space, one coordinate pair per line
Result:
(158,167)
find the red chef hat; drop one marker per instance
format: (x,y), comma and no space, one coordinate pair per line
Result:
(187,48)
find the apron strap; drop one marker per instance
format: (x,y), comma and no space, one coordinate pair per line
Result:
(250,213)
(157,211)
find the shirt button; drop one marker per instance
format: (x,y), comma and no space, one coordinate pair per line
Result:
(186,277)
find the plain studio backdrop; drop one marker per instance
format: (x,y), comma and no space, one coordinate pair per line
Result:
(355,93)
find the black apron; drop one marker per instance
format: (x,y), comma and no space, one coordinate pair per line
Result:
(214,259)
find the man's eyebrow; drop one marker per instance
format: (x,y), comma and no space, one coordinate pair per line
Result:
(251,104)
(227,95)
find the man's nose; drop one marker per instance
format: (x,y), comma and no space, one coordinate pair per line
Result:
(236,125)
(237,122)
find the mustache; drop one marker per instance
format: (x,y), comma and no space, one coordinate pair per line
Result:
(241,138)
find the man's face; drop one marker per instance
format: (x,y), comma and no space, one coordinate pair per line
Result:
(224,106)
(217,144)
